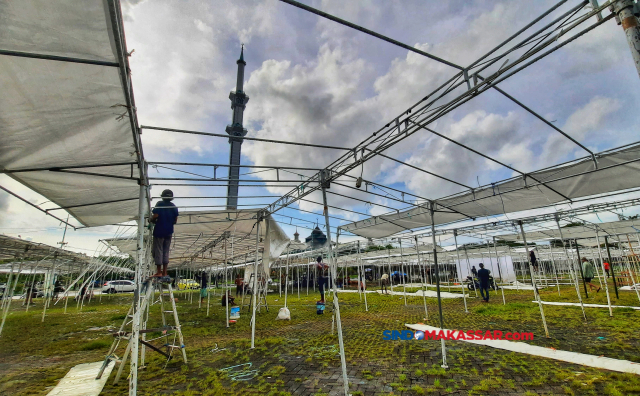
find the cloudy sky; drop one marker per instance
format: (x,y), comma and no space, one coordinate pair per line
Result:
(312,80)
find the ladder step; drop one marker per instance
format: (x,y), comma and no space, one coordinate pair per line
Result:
(167,311)
(175,346)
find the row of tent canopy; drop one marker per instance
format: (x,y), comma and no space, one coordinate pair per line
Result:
(611,171)
(353,253)
(68,135)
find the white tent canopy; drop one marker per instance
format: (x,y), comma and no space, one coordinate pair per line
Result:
(67,117)
(616,170)
(199,238)
(580,232)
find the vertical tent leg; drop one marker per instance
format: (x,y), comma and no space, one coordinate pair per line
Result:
(286,280)
(9,294)
(574,279)
(504,302)
(469,269)
(533,280)
(404,281)
(254,291)
(437,271)
(135,331)
(464,295)
(596,266)
(208,287)
(424,286)
(226,281)
(584,282)
(336,304)
(390,271)
(613,273)
(280,279)
(555,269)
(630,269)
(606,286)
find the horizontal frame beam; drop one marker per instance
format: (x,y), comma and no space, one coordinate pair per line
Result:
(58,58)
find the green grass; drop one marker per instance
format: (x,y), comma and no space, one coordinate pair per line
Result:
(36,355)
(99,344)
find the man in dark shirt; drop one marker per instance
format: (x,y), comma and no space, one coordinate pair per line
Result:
(534,260)
(165,215)
(322,279)
(483,277)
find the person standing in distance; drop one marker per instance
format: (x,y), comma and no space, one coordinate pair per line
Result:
(589,272)
(322,278)
(483,277)
(165,215)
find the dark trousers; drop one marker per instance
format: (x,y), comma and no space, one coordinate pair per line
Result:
(484,289)
(322,283)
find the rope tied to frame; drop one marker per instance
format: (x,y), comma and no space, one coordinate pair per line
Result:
(125,114)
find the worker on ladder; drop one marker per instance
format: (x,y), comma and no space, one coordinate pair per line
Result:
(165,215)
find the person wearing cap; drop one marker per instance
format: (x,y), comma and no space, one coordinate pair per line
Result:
(588,271)
(165,215)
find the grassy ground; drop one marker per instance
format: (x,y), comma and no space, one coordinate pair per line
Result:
(300,357)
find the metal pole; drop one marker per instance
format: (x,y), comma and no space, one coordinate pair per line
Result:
(424,285)
(286,280)
(504,301)
(473,282)
(254,290)
(404,281)
(308,273)
(390,276)
(208,287)
(359,282)
(574,279)
(464,295)
(533,280)
(613,274)
(364,280)
(606,283)
(584,282)
(135,327)
(624,10)
(630,269)
(280,278)
(225,290)
(298,272)
(555,269)
(435,266)
(336,305)
(597,271)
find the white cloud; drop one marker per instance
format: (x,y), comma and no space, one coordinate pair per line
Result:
(579,125)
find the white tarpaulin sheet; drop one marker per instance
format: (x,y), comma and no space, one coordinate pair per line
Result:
(601,362)
(616,171)
(203,239)
(581,232)
(66,115)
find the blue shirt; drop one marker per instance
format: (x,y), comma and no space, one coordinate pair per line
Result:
(167,216)
(483,276)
